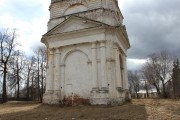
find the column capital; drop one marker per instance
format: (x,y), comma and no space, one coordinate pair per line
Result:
(124,55)
(94,45)
(51,51)
(62,65)
(57,50)
(115,47)
(103,41)
(103,44)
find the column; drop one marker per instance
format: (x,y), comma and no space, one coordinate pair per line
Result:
(57,70)
(103,65)
(118,70)
(94,66)
(50,71)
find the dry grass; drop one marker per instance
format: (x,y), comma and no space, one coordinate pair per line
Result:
(151,109)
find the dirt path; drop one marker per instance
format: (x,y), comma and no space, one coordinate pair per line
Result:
(136,110)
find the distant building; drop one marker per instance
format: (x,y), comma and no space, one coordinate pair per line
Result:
(152,94)
(142,93)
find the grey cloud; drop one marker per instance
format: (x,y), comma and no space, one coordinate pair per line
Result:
(152,25)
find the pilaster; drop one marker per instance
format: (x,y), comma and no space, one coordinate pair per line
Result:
(50,79)
(57,70)
(48,96)
(103,65)
(126,86)
(94,66)
(117,67)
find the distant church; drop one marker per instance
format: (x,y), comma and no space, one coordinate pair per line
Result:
(86,53)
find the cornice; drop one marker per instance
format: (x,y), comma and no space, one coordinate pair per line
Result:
(90,11)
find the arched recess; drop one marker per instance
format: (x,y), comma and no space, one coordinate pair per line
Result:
(75,8)
(72,51)
(77,74)
(120,63)
(121,69)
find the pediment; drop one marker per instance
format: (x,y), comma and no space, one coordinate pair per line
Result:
(74,23)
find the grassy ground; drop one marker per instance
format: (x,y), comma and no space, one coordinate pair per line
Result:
(136,110)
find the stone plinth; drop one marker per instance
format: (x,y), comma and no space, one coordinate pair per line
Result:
(52,98)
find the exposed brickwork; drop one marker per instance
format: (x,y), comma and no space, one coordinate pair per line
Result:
(75,100)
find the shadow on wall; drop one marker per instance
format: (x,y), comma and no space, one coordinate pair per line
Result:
(46,112)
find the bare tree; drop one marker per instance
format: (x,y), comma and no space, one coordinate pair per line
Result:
(43,69)
(40,55)
(150,76)
(146,85)
(7,48)
(134,81)
(29,75)
(158,70)
(17,65)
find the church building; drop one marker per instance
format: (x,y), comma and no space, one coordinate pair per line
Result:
(87,47)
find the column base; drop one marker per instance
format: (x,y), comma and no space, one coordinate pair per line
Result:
(127,95)
(99,96)
(52,97)
(102,97)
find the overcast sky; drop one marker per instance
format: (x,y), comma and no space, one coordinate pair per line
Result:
(152,25)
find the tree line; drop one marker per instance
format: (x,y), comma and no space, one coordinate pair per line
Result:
(160,72)
(22,77)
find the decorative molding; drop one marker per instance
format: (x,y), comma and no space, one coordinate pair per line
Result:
(110,60)
(71,51)
(74,1)
(62,65)
(89,62)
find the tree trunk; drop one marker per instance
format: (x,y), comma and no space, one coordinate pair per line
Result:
(147,93)
(137,95)
(18,90)
(174,90)
(42,78)
(18,84)
(158,90)
(4,95)
(27,94)
(39,89)
(42,88)
(164,89)
(146,87)
(32,87)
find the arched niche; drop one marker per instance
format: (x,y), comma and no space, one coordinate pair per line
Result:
(75,8)
(72,51)
(77,74)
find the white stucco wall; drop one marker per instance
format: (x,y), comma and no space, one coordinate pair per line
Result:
(86,58)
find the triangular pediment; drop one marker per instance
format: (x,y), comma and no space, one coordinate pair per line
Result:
(72,24)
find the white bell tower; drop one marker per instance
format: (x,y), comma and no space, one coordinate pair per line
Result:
(87,48)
